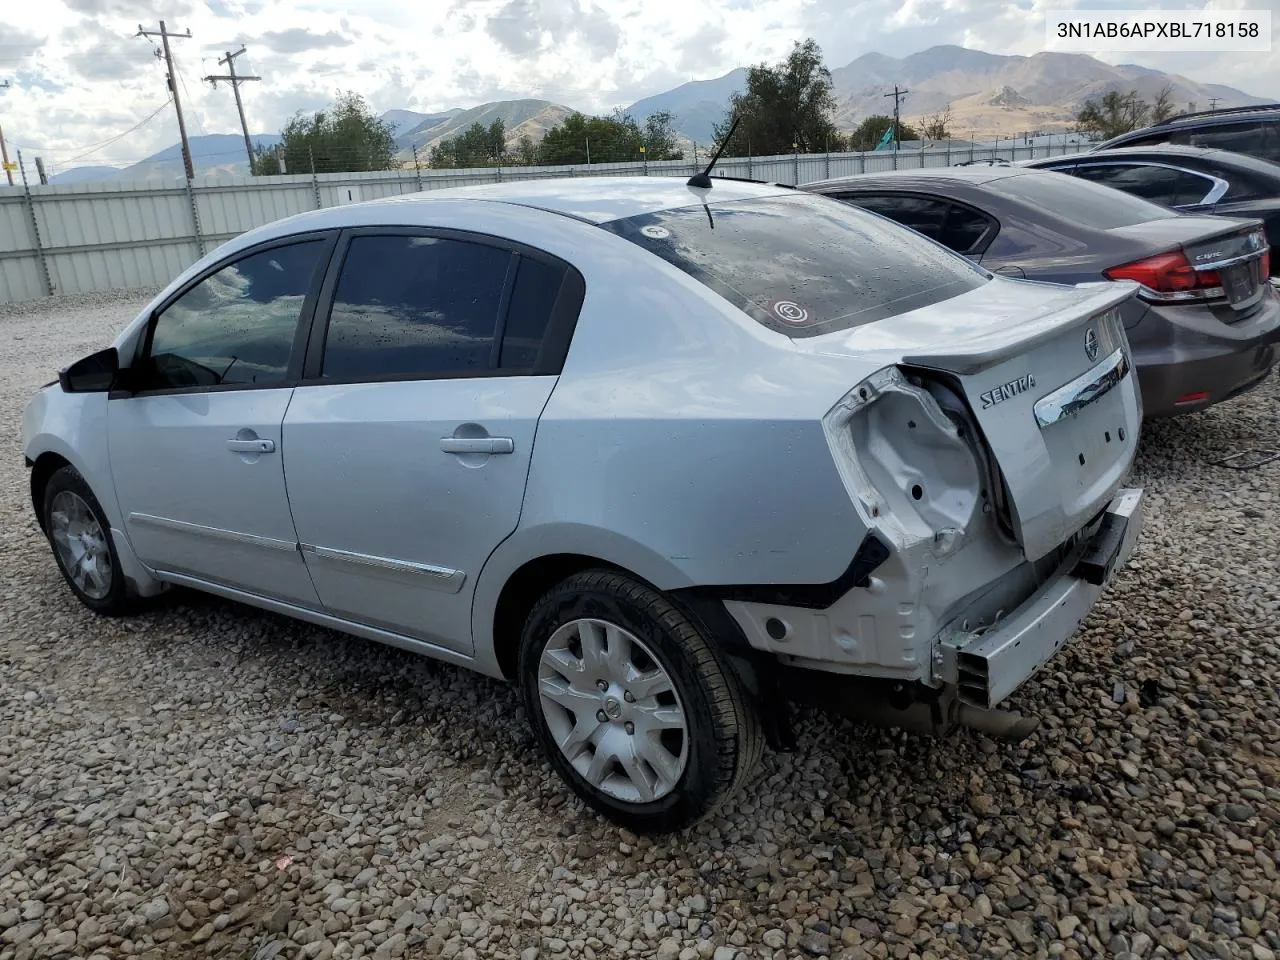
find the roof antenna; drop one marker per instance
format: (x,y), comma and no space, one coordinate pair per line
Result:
(703,179)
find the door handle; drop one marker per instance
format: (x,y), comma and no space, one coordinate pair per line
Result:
(251,446)
(477,445)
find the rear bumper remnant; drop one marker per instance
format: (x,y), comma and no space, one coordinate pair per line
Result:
(989,666)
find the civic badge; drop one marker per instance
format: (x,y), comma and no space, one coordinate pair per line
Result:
(1091,344)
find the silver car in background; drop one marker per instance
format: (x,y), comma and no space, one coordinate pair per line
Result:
(664,455)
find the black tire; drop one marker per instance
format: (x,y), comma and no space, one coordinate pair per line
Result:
(722,731)
(116,600)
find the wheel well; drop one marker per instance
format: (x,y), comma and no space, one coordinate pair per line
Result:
(46,465)
(522,590)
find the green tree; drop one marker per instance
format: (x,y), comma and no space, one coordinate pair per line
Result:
(525,154)
(1115,113)
(477,146)
(867,135)
(786,106)
(613,139)
(660,139)
(346,137)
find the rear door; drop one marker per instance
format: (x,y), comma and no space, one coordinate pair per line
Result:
(410,436)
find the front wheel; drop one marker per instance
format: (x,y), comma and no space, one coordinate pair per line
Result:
(80,536)
(632,703)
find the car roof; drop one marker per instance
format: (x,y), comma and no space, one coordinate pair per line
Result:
(974,175)
(1228,115)
(1207,118)
(1169,151)
(601,199)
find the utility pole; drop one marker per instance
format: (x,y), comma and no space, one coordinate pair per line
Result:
(235,81)
(1213,103)
(172,80)
(4,150)
(897,99)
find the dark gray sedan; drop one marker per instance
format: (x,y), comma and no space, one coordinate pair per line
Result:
(1205,324)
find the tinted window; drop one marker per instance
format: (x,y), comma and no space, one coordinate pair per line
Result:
(803,264)
(414,306)
(952,225)
(532,300)
(1147,141)
(1078,201)
(236,326)
(1163,185)
(1244,138)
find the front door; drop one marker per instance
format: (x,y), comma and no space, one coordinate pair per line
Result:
(196,449)
(409,439)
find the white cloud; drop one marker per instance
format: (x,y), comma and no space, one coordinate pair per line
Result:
(81,76)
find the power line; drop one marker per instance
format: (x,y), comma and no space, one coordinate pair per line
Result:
(897,100)
(164,36)
(119,136)
(235,81)
(182,79)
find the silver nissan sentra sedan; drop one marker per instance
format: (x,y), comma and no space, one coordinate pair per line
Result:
(665,455)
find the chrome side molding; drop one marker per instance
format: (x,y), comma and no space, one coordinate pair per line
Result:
(438,578)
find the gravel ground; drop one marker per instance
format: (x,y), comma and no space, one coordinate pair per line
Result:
(211,780)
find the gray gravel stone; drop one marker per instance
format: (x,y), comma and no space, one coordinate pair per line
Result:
(273,781)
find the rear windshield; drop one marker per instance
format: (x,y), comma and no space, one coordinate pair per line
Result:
(803,264)
(1079,201)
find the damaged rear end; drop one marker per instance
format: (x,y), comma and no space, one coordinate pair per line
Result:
(983,439)
(989,458)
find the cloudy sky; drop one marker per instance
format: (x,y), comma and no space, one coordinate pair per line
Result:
(81,79)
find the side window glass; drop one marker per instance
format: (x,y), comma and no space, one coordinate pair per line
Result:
(1244,138)
(955,227)
(1162,185)
(963,229)
(236,326)
(1270,142)
(414,306)
(532,301)
(919,213)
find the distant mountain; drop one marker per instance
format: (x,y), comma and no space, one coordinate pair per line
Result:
(211,153)
(402,121)
(697,106)
(519,117)
(995,95)
(989,95)
(84,175)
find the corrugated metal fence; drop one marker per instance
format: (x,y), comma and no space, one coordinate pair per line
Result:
(103,236)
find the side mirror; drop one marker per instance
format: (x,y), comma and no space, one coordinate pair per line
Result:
(95,373)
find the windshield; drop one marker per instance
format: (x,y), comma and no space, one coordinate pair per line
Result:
(1079,201)
(803,264)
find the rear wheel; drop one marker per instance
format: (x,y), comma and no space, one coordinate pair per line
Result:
(632,703)
(80,536)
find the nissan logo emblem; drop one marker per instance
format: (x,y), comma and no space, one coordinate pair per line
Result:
(1091,344)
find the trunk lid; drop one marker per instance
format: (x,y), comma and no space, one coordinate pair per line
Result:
(1227,255)
(1045,371)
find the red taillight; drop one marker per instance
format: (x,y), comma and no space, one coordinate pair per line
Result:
(1170,274)
(1265,269)
(1164,273)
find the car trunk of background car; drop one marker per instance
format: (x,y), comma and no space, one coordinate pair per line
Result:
(1043,371)
(1199,260)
